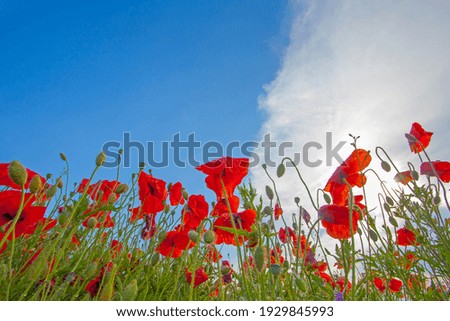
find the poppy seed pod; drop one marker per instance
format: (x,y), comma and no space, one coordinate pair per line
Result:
(17,173)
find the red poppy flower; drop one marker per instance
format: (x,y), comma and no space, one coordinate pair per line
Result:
(176,195)
(327,278)
(380,284)
(243,220)
(411,259)
(152,193)
(227,272)
(395,285)
(341,283)
(116,248)
(276,257)
(403,177)
(175,243)
(442,170)
(149,229)
(100,191)
(212,255)
(94,285)
(336,220)
(228,171)
(287,235)
(30,217)
(6,180)
(349,171)
(196,211)
(405,237)
(278,211)
(421,135)
(225,205)
(199,277)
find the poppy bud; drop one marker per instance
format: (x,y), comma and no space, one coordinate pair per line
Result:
(62,218)
(297,200)
(209,237)
(301,284)
(90,270)
(17,173)
(389,201)
(275,269)
(154,259)
(60,183)
(108,288)
(260,258)
(436,200)
(35,184)
(415,175)
(193,235)
(411,138)
(225,269)
(286,264)
(162,236)
(327,198)
(92,222)
(393,221)
(3,271)
(111,199)
(269,192)
(130,291)
(185,194)
(385,166)
(51,191)
(63,156)
(267,210)
(101,158)
(122,188)
(281,169)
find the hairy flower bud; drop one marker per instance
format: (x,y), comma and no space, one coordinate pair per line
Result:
(63,156)
(281,169)
(101,158)
(385,166)
(122,188)
(51,191)
(130,291)
(193,235)
(209,237)
(269,192)
(17,173)
(92,222)
(260,258)
(275,269)
(35,184)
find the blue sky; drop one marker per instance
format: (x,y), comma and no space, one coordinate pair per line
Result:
(76,75)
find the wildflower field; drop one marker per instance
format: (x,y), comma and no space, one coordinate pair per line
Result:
(147,239)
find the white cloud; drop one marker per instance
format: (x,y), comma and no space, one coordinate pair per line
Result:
(369,68)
